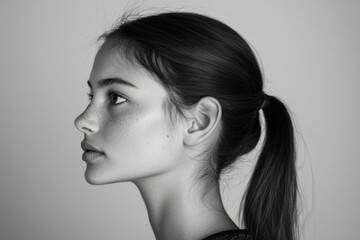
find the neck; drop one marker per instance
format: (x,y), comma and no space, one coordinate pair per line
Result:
(176,207)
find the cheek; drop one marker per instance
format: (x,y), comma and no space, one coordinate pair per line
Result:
(140,140)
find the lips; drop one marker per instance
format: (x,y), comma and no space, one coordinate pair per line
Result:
(91,153)
(89,147)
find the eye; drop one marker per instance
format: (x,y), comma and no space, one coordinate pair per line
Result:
(116,99)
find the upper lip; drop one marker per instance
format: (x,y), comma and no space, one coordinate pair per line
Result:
(86,146)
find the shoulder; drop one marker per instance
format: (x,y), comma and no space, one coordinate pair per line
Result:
(240,234)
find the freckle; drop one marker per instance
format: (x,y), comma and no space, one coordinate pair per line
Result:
(167,135)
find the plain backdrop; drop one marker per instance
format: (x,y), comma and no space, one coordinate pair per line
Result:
(309,51)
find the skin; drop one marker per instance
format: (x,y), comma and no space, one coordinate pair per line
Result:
(130,127)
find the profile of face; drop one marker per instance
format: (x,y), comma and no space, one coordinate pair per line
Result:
(126,131)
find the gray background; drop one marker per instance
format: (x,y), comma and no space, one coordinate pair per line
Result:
(310,54)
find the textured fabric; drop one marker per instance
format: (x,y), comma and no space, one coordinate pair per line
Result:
(230,235)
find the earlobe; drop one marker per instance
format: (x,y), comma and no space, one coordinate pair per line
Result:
(205,116)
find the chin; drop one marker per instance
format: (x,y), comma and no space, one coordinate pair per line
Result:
(95,178)
(101,175)
(93,181)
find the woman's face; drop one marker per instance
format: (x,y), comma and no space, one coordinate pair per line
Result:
(126,131)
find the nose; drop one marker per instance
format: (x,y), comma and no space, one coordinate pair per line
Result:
(86,122)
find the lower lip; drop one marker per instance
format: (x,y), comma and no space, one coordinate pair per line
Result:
(91,156)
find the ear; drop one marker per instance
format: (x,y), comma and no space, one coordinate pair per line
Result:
(205,116)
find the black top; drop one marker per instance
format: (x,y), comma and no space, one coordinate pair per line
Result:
(240,234)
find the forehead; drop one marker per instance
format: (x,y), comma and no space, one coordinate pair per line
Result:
(111,63)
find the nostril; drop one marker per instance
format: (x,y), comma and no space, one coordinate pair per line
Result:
(85,129)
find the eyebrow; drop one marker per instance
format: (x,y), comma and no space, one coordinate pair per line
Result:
(110,81)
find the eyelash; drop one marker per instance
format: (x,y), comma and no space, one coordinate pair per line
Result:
(110,95)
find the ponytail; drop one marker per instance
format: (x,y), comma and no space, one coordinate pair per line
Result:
(270,208)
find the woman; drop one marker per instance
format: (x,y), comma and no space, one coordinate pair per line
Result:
(175,100)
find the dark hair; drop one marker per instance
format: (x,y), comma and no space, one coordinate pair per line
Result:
(194,56)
